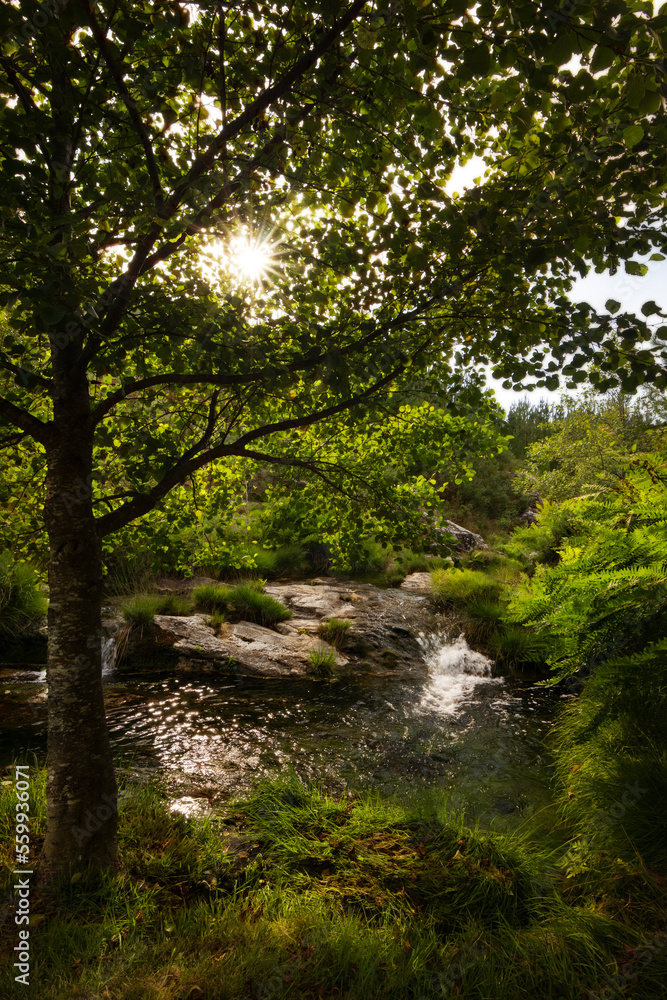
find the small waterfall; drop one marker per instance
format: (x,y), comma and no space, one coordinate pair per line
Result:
(455,670)
(108,654)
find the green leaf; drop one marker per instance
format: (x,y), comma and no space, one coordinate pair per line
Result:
(632,135)
(634,267)
(650,308)
(602,59)
(612,306)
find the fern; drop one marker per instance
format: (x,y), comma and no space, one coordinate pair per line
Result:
(607,596)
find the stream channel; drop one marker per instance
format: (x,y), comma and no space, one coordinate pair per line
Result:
(473,738)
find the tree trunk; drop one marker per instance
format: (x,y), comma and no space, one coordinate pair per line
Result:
(81,788)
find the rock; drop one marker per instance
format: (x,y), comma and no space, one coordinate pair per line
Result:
(383,637)
(417,581)
(251,649)
(466,541)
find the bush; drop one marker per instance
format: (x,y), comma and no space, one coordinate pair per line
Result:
(540,542)
(456,587)
(22,604)
(334,631)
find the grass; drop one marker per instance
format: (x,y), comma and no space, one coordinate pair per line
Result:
(243,602)
(322,661)
(457,587)
(142,609)
(324,897)
(22,603)
(334,631)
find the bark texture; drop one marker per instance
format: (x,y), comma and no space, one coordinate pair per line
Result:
(81,791)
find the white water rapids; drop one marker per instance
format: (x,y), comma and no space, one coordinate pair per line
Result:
(455,670)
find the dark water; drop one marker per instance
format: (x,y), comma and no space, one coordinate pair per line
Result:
(478,740)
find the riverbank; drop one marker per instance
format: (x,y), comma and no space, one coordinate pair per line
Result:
(292,892)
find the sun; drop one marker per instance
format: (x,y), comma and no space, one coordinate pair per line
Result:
(248,258)
(251,259)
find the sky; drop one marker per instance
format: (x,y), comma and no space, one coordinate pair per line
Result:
(630,290)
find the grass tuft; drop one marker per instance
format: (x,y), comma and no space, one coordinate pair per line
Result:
(322,661)
(334,631)
(245,601)
(457,587)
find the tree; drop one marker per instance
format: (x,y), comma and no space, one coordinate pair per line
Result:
(591,447)
(134,137)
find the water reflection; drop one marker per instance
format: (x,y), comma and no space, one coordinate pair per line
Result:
(477,737)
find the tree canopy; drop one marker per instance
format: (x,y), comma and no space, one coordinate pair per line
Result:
(142,142)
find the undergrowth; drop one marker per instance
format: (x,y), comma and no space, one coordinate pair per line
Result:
(322,896)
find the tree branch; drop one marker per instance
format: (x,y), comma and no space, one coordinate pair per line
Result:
(117,519)
(25,421)
(128,101)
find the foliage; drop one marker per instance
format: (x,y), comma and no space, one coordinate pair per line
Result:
(210,597)
(540,542)
(246,602)
(322,661)
(323,889)
(141,610)
(527,423)
(590,446)
(334,631)
(22,603)
(491,501)
(611,757)
(137,145)
(607,596)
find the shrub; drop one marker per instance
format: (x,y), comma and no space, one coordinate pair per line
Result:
(540,542)
(22,603)
(456,587)
(334,631)
(322,661)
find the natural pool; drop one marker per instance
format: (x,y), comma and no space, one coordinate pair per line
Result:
(477,738)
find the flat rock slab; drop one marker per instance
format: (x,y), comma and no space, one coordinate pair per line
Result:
(417,581)
(245,647)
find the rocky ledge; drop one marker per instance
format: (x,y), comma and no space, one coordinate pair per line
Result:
(383,637)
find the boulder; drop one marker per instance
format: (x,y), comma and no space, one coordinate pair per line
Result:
(244,648)
(383,638)
(466,541)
